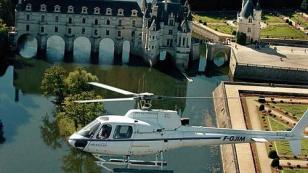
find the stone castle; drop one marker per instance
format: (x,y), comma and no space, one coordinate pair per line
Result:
(150,29)
(249,20)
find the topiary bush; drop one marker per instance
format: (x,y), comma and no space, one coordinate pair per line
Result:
(273,154)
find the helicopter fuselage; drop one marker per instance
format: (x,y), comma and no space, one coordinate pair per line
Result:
(142,132)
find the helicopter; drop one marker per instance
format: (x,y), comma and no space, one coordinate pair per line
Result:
(147,131)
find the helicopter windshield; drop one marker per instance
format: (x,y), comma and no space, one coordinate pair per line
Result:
(90,129)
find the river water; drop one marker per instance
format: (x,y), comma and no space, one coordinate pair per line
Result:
(32,144)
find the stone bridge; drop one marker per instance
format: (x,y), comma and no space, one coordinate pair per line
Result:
(70,47)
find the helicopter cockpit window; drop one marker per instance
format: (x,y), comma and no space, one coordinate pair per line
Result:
(123,132)
(104,132)
(90,129)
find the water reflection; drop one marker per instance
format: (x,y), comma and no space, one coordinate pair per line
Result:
(106,51)
(82,50)
(55,49)
(125,52)
(27,46)
(31,119)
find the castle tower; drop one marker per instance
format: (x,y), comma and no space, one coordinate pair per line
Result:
(249,20)
(143,5)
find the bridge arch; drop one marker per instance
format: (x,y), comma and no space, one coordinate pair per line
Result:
(27,46)
(106,51)
(220,57)
(82,50)
(126,52)
(55,48)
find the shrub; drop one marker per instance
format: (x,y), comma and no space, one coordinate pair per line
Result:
(287,21)
(241,38)
(204,23)
(233,32)
(275,163)
(290,23)
(261,107)
(273,154)
(200,21)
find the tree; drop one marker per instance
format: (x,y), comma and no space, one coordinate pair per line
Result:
(275,163)
(82,114)
(241,38)
(77,81)
(273,154)
(53,82)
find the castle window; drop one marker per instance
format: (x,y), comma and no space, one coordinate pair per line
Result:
(43,7)
(250,20)
(70,9)
(133,34)
(108,11)
(108,22)
(42,18)
(119,34)
(70,20)
(56,18)
(97,10)
(96,22)
(27,27)
(170,32)
(134,12)
(56,29)
(120,22)
(28,17)
(249,30)
(83,20)
(107,32)
(84,10)
(42,29)
(95,32)
(28,7)
(69,30)
(57,8)
(171,22)
(83,31)
(134,23)
(120,12)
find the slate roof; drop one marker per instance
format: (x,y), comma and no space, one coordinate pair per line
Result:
(126,5)
(247,9)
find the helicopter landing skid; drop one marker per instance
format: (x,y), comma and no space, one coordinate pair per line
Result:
(132,163)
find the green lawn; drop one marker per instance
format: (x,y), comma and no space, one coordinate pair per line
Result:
(214,17)
(296,109)
(283,147)
(299,19)
(271,18)
(295,170)
(223,28)
(282,31)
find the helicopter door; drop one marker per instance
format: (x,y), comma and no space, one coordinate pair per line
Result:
(122,139)
(99,143)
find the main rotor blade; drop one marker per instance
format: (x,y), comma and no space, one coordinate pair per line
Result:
(104,100)
(111,88)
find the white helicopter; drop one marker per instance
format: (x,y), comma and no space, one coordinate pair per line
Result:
(145,131)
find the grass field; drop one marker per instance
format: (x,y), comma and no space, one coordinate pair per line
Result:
(294,170)
(282,31)
(283,147)
(271,18)
(299,19)
(223,28)
(296,109)
(217,21)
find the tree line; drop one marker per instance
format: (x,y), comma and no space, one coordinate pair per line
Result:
(235,5)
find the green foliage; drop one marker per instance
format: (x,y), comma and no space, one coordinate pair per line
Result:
(273,154)
(53,82)
(77,81)
(82,114)
(275,163)
(241,38)
(65,124)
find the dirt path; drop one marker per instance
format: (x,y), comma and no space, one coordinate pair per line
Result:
(252,106)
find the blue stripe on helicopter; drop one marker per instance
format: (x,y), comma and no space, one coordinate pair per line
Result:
(158,139)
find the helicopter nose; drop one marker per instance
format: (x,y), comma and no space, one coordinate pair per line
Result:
(71,142)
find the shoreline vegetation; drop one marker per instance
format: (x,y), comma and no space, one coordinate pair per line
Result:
(66,88)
